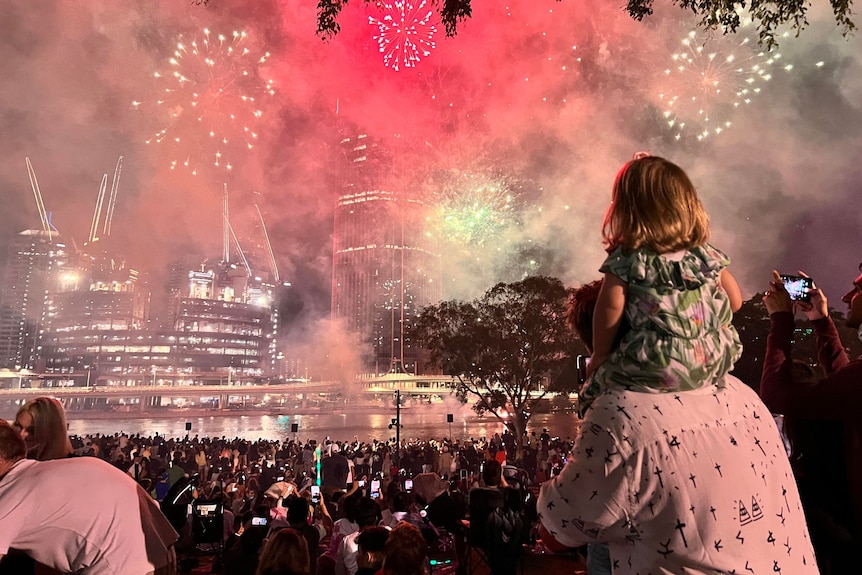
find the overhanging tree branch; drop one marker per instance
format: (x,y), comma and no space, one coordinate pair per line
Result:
(767,15)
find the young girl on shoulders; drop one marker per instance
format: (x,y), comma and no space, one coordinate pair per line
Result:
(670,285)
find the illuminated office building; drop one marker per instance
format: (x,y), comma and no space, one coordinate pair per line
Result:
(384,269)
(223,329)
(34,262)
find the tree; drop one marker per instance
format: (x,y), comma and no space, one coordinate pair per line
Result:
(503,348)
(713,14)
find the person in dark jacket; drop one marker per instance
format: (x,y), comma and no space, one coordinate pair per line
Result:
(821,418)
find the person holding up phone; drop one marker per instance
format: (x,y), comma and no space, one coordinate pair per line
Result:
(821,420)
(368,515)
(298,518)
(853,299)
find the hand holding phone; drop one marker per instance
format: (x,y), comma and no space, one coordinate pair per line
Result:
(798,287)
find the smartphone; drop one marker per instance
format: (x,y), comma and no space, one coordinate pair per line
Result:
(315,494)
(582,362)
(259,521)
(798,287)
(375,488)
(408,485)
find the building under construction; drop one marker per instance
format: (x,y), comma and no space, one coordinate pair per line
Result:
(83,317)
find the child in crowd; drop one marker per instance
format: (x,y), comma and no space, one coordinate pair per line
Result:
(671,286)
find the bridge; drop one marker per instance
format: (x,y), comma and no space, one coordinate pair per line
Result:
(144,396)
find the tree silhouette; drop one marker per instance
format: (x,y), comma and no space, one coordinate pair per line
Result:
(504,348)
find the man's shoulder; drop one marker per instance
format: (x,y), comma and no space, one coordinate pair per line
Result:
(617,412)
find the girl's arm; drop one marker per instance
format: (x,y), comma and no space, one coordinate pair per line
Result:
(610,306)
(731,288)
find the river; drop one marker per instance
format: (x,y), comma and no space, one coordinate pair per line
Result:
(426,421)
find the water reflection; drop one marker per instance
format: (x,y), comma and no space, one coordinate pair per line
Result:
(364,425)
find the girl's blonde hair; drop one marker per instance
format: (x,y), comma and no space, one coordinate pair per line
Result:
(654,206)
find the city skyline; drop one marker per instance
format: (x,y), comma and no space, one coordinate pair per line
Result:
(545,100)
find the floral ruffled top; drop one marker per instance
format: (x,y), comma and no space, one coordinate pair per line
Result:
(681,335)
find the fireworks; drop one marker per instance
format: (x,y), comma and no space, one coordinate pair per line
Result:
(405,32)
(212,97)
(474,208)
(709,79)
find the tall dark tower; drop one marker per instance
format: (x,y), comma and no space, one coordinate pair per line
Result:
(384,268)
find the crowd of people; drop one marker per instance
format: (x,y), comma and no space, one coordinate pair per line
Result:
(678,467)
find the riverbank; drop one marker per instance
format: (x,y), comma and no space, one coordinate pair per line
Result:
(189,413)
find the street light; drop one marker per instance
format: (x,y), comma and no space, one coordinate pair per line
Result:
(397,424)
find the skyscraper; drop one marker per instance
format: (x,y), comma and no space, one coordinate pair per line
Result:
(384,267)
(34,261)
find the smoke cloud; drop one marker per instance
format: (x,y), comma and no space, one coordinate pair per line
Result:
(554,96)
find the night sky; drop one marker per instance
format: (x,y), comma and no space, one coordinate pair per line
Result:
(544,99)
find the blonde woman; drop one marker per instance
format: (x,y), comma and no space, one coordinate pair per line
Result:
(41,422)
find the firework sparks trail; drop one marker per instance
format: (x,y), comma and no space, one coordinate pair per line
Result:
(405,32)
(474,208)
(710,78)
(212,95)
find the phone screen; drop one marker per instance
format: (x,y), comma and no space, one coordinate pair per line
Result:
(315,494)
(798,288)
(582,362)
(259,521)
(375,488)
(361,483)
(408,485)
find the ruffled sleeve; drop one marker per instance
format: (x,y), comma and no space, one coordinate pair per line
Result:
(699,266)
(712,259)
(619,264)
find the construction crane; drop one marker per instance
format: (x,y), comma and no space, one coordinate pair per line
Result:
(97,214)
(109,209)
(40,205)
(229,233)
(268,245)
(112,201)
(225,228)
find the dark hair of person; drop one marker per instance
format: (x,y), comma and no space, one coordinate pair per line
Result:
(285,553)
(373,539)
(350,506)
(297,510)
(492,473)
(367,512)
(582,306)
(405,551)
(12,447)
(402,501)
